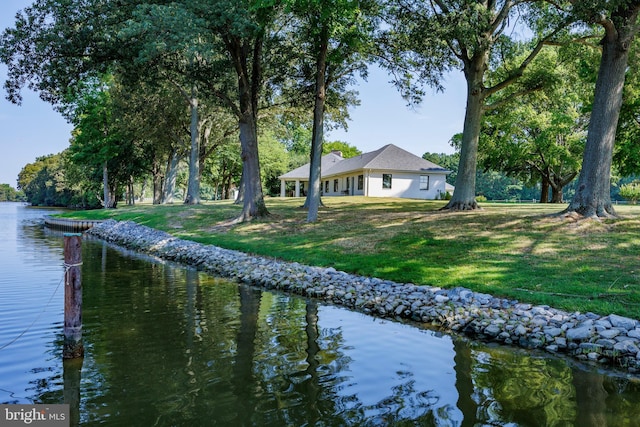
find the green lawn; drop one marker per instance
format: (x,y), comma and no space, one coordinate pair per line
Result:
(520,251)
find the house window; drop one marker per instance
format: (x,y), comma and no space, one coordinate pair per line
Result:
(386,180)
(424,182)
(347,178)
(326,186)
(360,182)
(335,185)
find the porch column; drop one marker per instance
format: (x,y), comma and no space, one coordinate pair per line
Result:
(366,183)
(297,188)
(283,189)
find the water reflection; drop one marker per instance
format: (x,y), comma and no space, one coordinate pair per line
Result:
(167,345)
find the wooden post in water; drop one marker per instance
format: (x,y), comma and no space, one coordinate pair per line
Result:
(72,296)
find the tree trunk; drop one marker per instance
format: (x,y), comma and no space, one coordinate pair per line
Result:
(313,192)
(158,185)
(253,199)
(105,185)
(204,149)
(131,198)
(113,196)
(544,190)
(240,198)
(171,175)
(556,194)
(464,195)
(593,193)
(253,205)
(143,190)
(193,188)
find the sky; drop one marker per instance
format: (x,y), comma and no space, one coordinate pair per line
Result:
(35,129)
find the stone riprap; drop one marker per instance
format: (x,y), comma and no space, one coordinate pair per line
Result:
(609,340)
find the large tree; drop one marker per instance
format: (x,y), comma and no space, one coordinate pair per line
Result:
(540,140)
(336,36)
(619,20)
(97,141)
(169,48)
(247,32)
(426,40)
(155,118)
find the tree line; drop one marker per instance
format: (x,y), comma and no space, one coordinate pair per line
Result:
(149,84)
(10,194)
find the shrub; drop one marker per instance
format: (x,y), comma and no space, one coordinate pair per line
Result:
(631,191)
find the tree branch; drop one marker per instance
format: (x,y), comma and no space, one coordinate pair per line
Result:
(520,70)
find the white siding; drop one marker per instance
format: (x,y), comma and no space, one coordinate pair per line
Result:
(406,185)
(403,184)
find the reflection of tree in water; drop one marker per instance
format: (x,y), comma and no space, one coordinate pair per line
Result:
(591,399)
(464,382)
(517,387)
(507,386)
(311,385)
(406,406)
(623,395)
(243,377)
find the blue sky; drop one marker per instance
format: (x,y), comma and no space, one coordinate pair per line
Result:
(34,129)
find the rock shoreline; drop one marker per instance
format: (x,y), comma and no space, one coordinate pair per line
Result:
(607,340)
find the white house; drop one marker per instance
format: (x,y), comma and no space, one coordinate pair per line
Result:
(387,172)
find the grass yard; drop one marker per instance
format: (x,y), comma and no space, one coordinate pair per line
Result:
(520,251)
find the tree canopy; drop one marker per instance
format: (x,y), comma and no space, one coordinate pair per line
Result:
(155,85)
(425,40)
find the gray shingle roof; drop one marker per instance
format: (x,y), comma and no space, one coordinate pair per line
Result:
(388,157)
(326,162)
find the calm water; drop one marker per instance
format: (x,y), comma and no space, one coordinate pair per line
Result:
(169,346)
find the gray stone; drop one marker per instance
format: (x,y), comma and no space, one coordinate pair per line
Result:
(520,330)
(634,333)
(626,347)
(539,321)
(610,333)
(553,332)
(580,333)
(441,299)
(622,322)
(593,356)
(608,344)
(492,330)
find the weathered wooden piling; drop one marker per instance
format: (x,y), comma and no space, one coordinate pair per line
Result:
(73,346)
